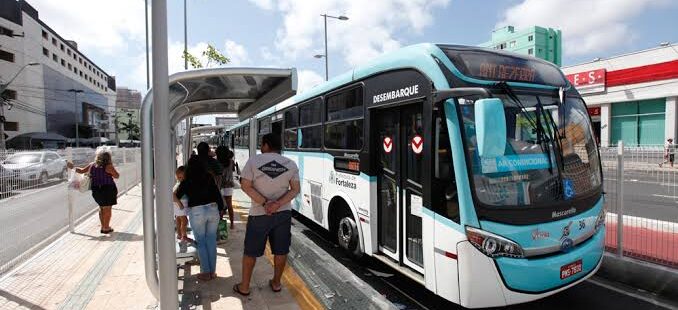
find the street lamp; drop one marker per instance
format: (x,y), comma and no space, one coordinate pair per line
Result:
(75,106)
(325,16)
(3,87)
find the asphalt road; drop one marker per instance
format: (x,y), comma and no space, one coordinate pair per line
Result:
(30,216)
(652,195)
(407,294)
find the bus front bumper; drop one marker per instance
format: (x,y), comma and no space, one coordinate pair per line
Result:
(487,282)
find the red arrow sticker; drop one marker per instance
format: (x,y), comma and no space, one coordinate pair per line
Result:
(417,144)
(388,145)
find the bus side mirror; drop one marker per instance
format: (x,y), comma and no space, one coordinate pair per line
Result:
(490,127)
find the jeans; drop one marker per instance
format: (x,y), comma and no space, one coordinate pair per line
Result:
(204,221)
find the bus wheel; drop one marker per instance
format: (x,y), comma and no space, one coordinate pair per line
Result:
(347,236)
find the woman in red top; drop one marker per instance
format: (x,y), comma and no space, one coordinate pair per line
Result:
(105,193)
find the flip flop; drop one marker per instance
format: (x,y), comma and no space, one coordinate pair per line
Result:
(270,283)
(236,289)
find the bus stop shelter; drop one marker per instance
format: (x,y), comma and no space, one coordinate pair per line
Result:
(174,98)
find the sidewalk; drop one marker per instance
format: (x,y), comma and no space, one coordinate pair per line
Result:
(87,270)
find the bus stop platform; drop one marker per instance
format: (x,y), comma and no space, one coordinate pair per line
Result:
(88,270)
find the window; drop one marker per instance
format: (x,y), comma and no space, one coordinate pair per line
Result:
(69,67)
(530,38)
(9,94)
(45,52)
(86,77)
(80,73)
(310,117)
(264,128)
(44,35)
(80,59)
(55,58)
(446,205)
(291,122)
(344,127)
(68,52)
(61,45)
(54,41)
(7,32)
(345,105)
(512,44)
(75,57)
(530,51)
(6,56)
(75,70)
(11,126)
(63,62)
(502,46)
(310,113)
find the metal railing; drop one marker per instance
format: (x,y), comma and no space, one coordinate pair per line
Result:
(35,210)
(642,202)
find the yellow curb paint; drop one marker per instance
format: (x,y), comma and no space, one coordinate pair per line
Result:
(291,280)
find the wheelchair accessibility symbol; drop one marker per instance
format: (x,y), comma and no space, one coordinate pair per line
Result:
(568,189)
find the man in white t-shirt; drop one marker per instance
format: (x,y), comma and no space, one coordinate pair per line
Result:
(271,181)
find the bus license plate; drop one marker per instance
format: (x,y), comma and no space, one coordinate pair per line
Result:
(570,269)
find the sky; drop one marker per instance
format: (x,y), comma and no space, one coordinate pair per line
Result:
(288,33)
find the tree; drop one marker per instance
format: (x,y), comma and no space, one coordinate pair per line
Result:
(213,55)
(131,126)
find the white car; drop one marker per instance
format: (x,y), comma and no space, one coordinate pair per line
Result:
(35,166)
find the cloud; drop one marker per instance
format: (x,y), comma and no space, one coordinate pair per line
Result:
(372,29)
(236,53)
(588,25)
(109,27)
(308,79)
(264,4)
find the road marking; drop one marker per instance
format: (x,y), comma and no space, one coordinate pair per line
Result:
(665,196)
(632,294)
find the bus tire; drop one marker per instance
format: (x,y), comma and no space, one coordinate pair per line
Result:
(347,236)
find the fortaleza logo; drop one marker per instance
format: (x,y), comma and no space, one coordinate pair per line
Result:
(395,94)
(569,211)
(344,181)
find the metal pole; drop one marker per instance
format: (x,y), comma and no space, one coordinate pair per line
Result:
(77,127)
(148,64)
(150,263)
(2,124)
(326,61)
(162,146)
(71,226)
(185,36)
(620,197)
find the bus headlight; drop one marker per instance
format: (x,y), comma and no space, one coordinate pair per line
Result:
(493,245)
(600,221)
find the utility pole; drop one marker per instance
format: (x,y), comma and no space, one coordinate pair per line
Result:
(3,87)
(77,119)
(325,16)
(185,36)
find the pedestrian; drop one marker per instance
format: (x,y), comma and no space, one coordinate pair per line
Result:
(181,219)
(225,158)
(204,202)
(669,152)
(271,181)
(104,191)
(212,165)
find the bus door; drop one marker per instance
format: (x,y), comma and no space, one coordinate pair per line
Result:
(399,139)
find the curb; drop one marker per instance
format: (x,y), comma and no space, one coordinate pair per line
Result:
(653,278)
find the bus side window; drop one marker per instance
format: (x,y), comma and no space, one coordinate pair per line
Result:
(446,202)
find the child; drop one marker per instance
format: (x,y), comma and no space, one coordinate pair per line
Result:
(180,207)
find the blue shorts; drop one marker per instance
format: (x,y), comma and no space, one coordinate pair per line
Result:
(276,228)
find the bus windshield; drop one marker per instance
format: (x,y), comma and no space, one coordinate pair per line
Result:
(550,154)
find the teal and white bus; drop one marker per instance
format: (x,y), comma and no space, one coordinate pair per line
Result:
(473,171)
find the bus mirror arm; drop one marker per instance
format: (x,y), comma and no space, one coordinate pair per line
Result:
(445,94)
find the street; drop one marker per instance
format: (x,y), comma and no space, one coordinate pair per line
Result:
(404,293)
(648,195)
(30,216)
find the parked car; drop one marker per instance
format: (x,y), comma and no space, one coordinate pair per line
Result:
(7,180)
(37,166)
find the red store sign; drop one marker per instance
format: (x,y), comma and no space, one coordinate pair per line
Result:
(595,111)
(589,81)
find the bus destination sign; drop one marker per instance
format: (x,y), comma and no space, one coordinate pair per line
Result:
(510,72)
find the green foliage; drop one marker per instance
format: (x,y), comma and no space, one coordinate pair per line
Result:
(213,55)
(131,127)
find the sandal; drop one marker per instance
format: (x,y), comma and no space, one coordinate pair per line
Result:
(204,277)
(110,230)
(236,288)
(270,283)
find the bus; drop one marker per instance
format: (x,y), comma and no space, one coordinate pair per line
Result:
(474,172)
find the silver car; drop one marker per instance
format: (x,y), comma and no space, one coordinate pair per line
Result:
(38,166)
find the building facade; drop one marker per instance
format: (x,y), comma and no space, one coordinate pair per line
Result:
(60,87)
(631,97)
(540,42)
(127,113)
